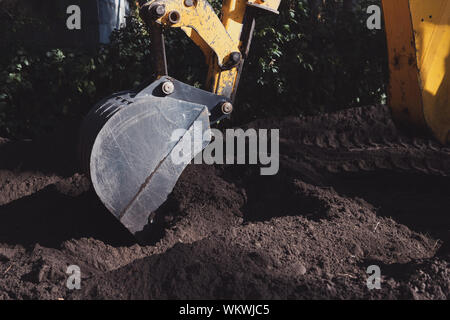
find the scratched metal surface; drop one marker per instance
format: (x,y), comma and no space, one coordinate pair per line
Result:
(130,164)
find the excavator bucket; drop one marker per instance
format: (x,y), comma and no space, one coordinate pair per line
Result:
(418,37)
(132,145)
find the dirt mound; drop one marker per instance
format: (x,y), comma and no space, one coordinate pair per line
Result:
(351,192)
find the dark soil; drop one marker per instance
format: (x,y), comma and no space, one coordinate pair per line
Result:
(351,192)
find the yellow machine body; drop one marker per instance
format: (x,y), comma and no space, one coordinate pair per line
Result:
(418,37)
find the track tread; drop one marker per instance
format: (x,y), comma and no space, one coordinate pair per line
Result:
(365,139)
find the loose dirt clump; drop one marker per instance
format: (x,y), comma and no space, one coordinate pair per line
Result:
(351,192)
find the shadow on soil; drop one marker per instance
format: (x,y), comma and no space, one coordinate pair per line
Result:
(55,153)
(420,202)
(277,195)
(49,218)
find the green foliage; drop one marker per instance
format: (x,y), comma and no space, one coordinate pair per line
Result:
(298,64)
(41,86)
(303,65)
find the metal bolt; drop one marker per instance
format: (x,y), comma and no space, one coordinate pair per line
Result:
(174,17)
(157,10)
(235,57)
(168,87)
(227,107)
(188,3)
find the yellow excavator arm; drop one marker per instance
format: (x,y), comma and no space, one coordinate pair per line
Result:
(225,41)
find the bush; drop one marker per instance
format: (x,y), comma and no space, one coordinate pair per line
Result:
(298,64)
(303,65)
(42,86)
